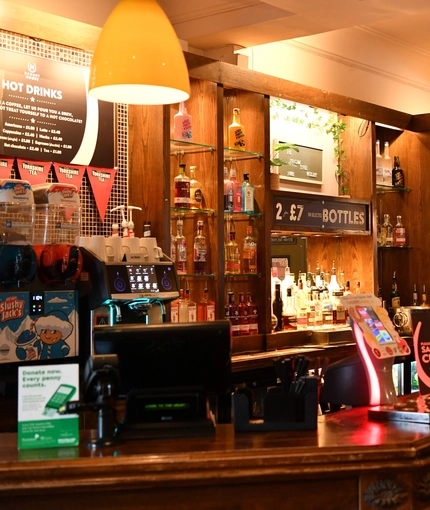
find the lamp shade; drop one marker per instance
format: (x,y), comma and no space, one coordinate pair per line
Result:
(138,58)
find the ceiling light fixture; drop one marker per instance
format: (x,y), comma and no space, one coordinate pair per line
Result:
(138,58)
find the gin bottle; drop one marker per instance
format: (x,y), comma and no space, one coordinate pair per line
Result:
(200,250)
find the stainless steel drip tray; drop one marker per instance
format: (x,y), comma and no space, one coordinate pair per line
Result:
(414,409)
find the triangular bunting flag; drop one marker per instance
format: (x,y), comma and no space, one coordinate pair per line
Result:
(6,165)
(101,180)
(35,172)
(69,174)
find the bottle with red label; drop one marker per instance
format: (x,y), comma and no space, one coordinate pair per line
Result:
(232,314)
(399,233)
(182,189)
(243,315)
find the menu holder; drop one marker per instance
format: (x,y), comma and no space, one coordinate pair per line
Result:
(282,411)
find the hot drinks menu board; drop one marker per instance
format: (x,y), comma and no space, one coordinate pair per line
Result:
(46,113)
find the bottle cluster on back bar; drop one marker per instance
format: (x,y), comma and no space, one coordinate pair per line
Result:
(238,196)
(184,309)
(387,235)
(243,314)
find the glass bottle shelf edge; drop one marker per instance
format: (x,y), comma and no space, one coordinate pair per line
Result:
(388,188)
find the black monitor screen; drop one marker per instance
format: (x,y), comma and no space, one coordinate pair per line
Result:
(172,356)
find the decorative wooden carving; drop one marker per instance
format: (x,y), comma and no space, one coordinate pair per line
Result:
(386,493)
(422,488)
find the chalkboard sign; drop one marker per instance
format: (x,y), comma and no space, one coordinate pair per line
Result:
(320,214)
(47,115)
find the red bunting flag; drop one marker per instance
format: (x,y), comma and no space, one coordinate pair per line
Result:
(101,180)
(69,174)
(6,165)
(35,172)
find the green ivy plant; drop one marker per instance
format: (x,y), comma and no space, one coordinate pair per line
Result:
(313,119)
(279,147)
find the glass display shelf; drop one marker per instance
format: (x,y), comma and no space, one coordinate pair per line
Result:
(178,147)
(388,248)
(242,213)
(195,275)
(228,275)
(237,154)
(385,188)
(181,211)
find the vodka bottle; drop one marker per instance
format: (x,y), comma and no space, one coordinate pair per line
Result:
(387,165)
(196,190)
(247,195)
(236,132)
(200,250)
(228,192)
(181,249)
(379,164)
(252,314)
(249,252)
(232,255)
(182,189)
(206,308)
(387,231)
(243,315)
(182,124)
(399,233)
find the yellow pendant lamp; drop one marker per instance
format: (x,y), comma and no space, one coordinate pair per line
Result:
(138,58)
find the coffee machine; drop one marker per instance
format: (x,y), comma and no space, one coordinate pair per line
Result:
(132,291)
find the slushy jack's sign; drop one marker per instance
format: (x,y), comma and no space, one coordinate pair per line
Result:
(324,214)
(46,113)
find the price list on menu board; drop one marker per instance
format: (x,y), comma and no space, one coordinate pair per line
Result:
(46,113)
(323,214)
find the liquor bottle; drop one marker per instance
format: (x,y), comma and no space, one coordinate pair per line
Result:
(379,164)
(378,232)
(181,249)
(182,189)
(415,296)
(290,313)
(347,288)
(200,250)
(183,124)
(398,177)
(237,191)
(319,321)
(399,233)
(247,195)
(147,229)
(277,307)
(243,315)
(394,296)
(228,192)
(302,311)
(236,132)
(196,193)
(174,307)
(206,308)
(424,297)
(172,244)
(232,314)
(311,311)
(387,165)
(252,314)
(387,231)
(358,287)
(232,255)
(339,312)
(249,252)
(187,309)
(183,308)
(333,286)
(327,309)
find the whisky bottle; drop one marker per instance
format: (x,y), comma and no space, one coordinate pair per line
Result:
(182,189)
(249,252)
(398,177)
(247,195)
(232,255)
(379,164)
(236,132)
(399,233)
(278,307)
(200,250)
(394,296)
(252,314)
(182,124)
(196,190)
(232,314)
(387,165)
(206,308)
(387,231)
(181,249)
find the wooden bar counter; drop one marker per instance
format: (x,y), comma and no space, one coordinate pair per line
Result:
(348,463)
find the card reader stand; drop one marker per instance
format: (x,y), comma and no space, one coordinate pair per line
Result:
(282,411)
(167,412)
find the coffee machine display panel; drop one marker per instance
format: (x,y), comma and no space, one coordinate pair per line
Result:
(156,281)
